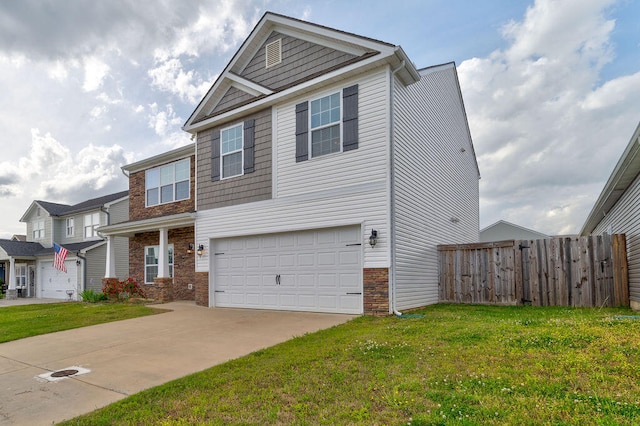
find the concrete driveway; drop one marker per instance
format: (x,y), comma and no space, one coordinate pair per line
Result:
(125,357)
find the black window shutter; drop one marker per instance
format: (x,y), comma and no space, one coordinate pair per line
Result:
(302,132)
(215,155)
(249,146)
(350,118)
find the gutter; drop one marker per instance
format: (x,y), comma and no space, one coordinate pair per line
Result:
(392,227)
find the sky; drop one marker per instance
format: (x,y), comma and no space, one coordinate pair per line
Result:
(551,89)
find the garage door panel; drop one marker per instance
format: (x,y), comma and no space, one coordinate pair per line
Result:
(307,270)
(54,283)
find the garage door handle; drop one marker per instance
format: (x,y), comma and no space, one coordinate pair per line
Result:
(278,279)
(352,294)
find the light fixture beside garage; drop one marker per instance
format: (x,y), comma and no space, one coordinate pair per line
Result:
(373,238)
(200,250)
(190,248)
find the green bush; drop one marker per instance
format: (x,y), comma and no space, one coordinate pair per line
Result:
(92,296)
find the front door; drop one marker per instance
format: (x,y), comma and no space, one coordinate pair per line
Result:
(31,292)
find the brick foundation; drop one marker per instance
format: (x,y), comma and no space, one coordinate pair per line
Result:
(376,291)
(161,290)
(202,288)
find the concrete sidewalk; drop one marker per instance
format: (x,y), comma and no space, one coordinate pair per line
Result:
(128,356)
(27,301)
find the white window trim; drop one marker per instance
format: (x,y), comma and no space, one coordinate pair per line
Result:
(91,225)
(241,150)
(39,229)
(171,265)
(72,227)
(311,130)
(146,200)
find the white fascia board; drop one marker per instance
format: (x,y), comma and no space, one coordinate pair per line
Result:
(26,214)
(165,157)
(325,41)
(247,85)
(145,225)
(279,96)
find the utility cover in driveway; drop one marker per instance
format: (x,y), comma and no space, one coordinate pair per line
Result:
(314,271)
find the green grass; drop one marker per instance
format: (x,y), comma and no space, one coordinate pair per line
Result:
(462,365)
(18,322)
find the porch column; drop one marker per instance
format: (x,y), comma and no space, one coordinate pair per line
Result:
(12,293)
(110,267)
(163,255)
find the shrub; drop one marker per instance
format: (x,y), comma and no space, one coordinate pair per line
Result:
(91,296)
(122,289)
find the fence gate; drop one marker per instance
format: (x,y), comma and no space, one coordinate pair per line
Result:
(565,271)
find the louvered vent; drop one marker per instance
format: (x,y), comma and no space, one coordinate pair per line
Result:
(273,53)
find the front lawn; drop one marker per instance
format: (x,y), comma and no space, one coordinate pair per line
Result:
(17,322)
(470,365)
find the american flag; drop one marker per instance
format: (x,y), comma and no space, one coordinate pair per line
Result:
(61,255)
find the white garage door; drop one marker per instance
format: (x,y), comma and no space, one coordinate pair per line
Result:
(55,283)
(315,271)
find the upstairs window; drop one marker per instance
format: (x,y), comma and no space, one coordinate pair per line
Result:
(69,226)
(325,125)
(231,151)
(168,183)
(91,223)
(38,229)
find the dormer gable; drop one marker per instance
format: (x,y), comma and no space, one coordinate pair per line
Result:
(282,55)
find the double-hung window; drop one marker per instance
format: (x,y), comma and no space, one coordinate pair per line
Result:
(91,222)
(151,263)
(70,226)
(231,144)
(325,125)
(328,124)
(168,183)
(38,229)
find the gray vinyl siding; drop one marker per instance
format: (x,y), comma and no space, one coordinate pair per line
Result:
(300,60)
(96,261)
(250,187)
(434,182)
(119,212)
(48,229)
(122,257)
(624,218)
(61,230)
(233,97)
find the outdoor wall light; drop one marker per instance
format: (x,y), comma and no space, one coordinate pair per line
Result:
(373,238)
(78,262)
(190,248)
(200,250)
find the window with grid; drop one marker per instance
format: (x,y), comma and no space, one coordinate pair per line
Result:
(70,226)
(151,263)
(168,183)
(38,229)
(325,125)
(91,223)
(231,144)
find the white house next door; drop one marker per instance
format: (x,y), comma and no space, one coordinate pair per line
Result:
(314,270)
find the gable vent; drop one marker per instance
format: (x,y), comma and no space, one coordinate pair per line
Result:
(273,53)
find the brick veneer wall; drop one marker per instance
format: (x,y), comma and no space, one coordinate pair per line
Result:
(183,263)
(376,291)
(202,288)
(137,209)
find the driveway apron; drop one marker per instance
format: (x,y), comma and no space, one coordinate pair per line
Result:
(128,356)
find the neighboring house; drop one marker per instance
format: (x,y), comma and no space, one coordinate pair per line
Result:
(616,211)
(28,265)
(328,170)
(160,225)
(503,230)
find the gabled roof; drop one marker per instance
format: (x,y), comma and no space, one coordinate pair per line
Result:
(163,158)
(55,209)
(514,231)
(365,51)
(621,178)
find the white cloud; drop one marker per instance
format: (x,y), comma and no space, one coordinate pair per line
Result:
(545,133)
(170,76)
(95,72)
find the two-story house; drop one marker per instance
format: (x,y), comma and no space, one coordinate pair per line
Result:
(328,168)
(160,228)
(28,265)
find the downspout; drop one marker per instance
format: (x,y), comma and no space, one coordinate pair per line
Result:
(392,198)
(84,270)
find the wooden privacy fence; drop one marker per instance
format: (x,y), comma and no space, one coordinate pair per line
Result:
(566,271)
